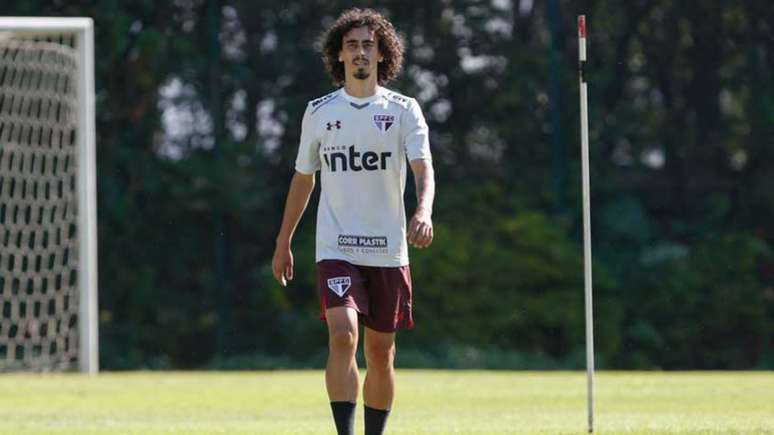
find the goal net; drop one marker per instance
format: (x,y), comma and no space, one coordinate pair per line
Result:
(47,195)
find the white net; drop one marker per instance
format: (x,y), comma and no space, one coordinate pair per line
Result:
(38,202)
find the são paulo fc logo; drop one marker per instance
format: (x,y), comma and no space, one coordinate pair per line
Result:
(340,284)
(384,122)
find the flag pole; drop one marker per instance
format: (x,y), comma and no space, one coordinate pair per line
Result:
(586,220)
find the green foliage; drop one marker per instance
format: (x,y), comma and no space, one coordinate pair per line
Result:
(498,276)
(703,310)
(682,116)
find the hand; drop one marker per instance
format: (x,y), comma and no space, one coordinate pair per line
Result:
(420,230)
(282,264)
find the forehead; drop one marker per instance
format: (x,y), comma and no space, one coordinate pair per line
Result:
(362,33)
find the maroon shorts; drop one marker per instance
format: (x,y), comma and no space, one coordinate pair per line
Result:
(381,295)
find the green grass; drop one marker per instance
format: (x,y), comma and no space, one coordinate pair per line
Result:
(427,402)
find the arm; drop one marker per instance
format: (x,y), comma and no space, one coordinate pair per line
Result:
(298,197)
(420,230)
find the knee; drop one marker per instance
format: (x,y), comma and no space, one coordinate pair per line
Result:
(380,356)
(343,340)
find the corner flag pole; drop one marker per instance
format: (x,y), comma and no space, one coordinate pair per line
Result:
(586,219)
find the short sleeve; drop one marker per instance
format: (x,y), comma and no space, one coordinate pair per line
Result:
(415,133)
(308,158)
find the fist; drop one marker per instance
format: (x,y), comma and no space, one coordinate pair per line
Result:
(420,230)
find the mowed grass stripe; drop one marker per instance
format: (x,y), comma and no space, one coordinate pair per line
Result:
(427,402)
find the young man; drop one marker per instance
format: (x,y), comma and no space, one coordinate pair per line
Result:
(359,138)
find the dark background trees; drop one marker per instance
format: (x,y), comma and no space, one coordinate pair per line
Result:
(199,108)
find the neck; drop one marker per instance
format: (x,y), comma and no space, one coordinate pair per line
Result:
(360,88)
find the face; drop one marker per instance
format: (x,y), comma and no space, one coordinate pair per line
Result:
(360,53)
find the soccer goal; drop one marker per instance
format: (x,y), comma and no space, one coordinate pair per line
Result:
(48,245)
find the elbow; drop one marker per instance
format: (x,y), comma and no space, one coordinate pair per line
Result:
(429,167)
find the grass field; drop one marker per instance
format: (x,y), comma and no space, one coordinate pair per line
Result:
(428,402)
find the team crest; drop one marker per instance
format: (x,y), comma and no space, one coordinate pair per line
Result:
(340,285)
(384,122)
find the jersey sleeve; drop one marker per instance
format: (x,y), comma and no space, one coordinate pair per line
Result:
(308,158)
(415,133)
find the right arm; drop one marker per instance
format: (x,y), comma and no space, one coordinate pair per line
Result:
(298,197)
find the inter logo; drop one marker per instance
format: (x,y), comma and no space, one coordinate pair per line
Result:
(332,125)
(356,161)
(384,122)
(340,285)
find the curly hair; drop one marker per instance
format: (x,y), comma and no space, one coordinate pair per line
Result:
(389,42)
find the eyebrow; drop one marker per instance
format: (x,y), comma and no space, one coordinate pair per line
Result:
(356,40)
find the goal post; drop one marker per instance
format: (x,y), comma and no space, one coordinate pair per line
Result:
(48,217)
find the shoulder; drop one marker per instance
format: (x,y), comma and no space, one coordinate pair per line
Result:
(399,99)
(315,104)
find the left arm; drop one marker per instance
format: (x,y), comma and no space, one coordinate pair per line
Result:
(420,229)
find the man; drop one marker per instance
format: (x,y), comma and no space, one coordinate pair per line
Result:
(359,138)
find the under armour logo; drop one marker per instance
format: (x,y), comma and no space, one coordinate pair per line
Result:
(336,124)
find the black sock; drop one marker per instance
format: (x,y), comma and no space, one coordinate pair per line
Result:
(375,419)
(344,416)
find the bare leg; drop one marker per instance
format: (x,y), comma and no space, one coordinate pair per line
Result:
(379,386)
(341,375)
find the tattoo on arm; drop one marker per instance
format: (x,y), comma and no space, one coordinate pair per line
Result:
(425,187)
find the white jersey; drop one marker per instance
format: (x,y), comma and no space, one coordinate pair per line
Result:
(360,146)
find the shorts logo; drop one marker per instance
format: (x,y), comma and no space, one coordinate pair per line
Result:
(384,122)
(340,284)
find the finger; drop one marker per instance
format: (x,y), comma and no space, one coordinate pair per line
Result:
(416,238)
(428,233)
(289,272)
(412,232)
(425,237)
(421,238)
(279,274)
(275,270)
